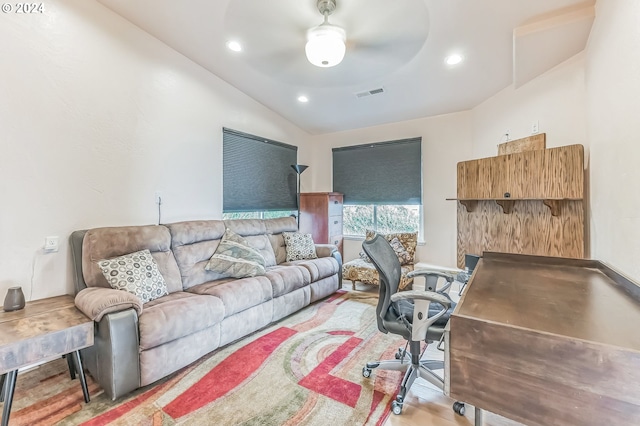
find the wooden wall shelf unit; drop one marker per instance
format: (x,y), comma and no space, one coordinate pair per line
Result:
(528,202)
(321,216)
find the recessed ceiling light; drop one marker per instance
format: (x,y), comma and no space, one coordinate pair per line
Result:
(235,46)
(454,59)
(303,99)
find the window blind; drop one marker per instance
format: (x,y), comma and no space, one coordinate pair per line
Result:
(379,173)
(257,173)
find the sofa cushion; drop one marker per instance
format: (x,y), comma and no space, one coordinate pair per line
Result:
(177,315)
(275,228)
(106,243)
(136,273)
(318,268)
(234,258)
(237,295)
(286,278)
(299,246)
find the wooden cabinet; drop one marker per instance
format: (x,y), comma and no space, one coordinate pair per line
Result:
(528,202)
(321,216)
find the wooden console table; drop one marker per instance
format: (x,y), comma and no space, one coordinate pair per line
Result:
(547,341)
(44,330)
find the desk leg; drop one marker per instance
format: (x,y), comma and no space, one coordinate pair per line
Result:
(478,417)
(7,393)
(83,379)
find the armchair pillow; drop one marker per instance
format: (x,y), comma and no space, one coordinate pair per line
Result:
(136,273)
(403,243)
(234,258)
(299,246)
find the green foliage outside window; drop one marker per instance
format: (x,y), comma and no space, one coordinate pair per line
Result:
(258,215)
(381,218)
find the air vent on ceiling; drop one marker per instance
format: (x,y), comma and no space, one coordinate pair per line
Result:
(370,92)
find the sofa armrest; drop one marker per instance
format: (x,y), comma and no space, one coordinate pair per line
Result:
(331,250)
(326,250)
(95,302)
(114,358)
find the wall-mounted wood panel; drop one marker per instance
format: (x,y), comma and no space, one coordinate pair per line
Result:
(528,203)
(530,143)
(530,228)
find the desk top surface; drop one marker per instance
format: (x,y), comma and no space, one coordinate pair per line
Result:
(574,298)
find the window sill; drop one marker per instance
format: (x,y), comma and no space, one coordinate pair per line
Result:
(356,238)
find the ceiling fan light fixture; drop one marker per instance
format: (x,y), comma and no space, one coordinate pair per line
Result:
(326,45)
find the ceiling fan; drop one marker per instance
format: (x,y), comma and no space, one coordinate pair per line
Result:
(326,43)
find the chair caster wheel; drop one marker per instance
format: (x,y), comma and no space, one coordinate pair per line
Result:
(399,354)
(396,407)
(458,407)
(366,372)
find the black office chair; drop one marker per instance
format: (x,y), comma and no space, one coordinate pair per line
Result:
(416,315)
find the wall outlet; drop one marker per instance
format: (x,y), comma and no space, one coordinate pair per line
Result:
(535,128)
(51,244)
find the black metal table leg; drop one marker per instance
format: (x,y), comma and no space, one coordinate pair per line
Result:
(7,392)
(72,366)
(83,379)
(4,376)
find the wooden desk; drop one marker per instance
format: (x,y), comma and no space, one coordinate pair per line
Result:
(547,341)
(44,330)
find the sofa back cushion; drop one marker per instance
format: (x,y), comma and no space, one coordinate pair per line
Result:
(194,242)
(107,243)
(275,228)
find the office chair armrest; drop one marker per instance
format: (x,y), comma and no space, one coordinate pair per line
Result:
(421,320)
(431,278)
(431,296)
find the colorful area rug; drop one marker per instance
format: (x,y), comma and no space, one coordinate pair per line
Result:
(303,370)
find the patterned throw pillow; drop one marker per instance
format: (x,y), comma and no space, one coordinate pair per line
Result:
(403,255)
(408,240)
(299,246)
(234,258)
(136,273)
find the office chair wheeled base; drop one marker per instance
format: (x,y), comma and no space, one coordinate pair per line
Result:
(415,367)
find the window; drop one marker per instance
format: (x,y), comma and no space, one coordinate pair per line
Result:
(257,180)
(382,186)
(259,214)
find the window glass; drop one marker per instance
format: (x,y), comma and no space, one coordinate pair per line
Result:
(381,218)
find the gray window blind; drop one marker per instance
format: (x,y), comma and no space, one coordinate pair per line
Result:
(379,173)
(257,173)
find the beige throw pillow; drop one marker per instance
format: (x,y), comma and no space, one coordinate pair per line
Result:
(234,258)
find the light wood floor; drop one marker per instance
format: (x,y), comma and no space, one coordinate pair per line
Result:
(427,405)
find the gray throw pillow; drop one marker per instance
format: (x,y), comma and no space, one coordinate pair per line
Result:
(299,246)
(234,258)
(136,273)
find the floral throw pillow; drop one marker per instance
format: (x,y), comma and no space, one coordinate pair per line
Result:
(234,258)
(136,273)
(299,246)
(408,240)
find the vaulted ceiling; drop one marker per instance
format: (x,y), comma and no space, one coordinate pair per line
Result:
(397,46)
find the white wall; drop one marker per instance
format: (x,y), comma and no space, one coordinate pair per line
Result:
(96,115)
(613,84)
(446,140)
(556,99)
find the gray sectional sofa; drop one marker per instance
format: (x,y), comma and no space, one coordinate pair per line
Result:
(137,344)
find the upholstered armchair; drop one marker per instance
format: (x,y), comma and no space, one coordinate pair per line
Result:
(362,270)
